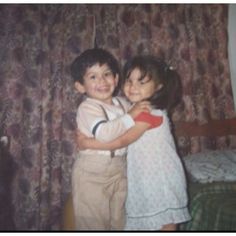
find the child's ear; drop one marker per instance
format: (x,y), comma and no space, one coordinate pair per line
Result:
(79,87)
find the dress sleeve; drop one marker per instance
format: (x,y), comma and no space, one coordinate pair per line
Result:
(154,121)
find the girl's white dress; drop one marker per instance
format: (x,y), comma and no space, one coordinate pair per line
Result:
(156,181)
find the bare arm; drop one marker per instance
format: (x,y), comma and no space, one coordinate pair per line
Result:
(124,140)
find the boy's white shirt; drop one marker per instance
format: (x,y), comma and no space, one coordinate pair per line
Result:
(90,113)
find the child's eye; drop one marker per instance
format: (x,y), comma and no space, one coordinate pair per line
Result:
(108,73)
(92,77)
(144,80)
(128,81)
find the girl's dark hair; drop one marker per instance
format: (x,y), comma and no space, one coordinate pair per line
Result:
(159,71)
(91,57)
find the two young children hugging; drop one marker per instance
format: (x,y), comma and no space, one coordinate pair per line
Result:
(156,200)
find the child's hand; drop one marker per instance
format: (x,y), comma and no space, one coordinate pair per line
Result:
(139,107)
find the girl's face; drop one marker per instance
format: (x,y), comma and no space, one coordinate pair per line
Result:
(99,83)
(136,89)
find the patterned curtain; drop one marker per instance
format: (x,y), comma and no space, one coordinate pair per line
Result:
(193,38)
(38,102)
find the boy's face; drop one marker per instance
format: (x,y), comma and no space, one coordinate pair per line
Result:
(99,83)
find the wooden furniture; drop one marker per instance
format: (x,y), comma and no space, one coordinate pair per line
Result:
(213,128)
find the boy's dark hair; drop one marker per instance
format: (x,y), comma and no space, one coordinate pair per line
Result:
(159,71)
(91,57)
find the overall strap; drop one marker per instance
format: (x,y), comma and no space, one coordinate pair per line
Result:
(121,105)
(105,113)
(107,118)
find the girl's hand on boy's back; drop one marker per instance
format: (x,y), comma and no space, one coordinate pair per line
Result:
(139,107)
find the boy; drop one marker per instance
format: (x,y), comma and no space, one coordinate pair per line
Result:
(99,182)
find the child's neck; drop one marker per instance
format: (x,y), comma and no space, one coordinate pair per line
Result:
(108,101)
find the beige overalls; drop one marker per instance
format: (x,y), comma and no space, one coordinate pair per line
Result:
(99,180)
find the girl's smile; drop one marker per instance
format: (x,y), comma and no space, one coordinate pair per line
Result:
(137,89)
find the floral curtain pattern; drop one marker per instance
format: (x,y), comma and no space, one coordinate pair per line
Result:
(193,39)
(37,97)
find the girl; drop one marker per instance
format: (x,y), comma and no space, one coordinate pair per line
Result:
(157,197)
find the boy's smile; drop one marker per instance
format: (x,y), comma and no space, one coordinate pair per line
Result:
(99,83)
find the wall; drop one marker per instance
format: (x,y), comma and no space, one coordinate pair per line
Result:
(232,47)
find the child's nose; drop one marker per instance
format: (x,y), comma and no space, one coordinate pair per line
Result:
(102,78)
(134,86)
